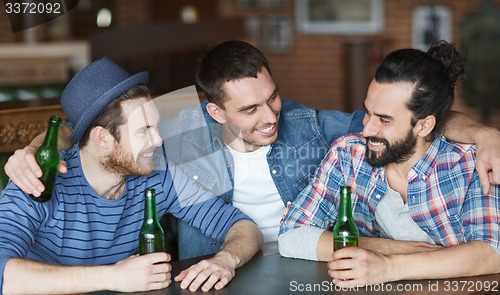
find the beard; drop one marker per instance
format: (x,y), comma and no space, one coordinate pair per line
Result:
(123,164)
(397,153)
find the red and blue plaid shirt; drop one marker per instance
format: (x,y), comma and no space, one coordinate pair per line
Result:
(445,198)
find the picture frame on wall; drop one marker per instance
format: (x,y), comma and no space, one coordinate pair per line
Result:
(340,16)
(277,34)
(431,24)
(271,33)
(260,3)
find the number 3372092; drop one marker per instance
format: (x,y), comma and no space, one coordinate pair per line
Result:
(32,8)
(471,286)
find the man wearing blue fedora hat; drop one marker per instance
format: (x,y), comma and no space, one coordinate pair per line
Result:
(84,238)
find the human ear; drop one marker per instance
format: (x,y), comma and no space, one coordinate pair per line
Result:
(102,137)
(216,112)
(425,126)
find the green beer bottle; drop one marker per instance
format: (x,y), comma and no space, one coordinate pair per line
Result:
(345,231)
(151,236)
(48,159)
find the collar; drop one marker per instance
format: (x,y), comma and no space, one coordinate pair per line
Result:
(424,166)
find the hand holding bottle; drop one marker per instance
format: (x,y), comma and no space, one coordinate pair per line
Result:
(48,158)
(140,273)
(23,169)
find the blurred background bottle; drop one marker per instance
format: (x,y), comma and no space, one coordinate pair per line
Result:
(151,236)
(345,231)
(48,158)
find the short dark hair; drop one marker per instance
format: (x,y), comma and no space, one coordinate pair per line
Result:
(434,75)
(112,115)
(228,61)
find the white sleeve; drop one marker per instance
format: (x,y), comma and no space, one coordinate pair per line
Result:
(301,242)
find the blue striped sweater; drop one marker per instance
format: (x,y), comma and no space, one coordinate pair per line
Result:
(78,227)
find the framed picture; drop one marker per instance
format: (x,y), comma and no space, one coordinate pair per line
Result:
(270,3)
(260,3)
(340,16)
(430,24)
(246,3)
(272,33)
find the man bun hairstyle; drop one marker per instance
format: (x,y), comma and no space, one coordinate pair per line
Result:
(434,75)
(453,62)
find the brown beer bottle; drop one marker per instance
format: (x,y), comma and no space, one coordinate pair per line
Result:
(345,231)
(151,236)
(48,158)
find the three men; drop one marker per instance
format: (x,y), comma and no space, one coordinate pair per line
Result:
(265,149)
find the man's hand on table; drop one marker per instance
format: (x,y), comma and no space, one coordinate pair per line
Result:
(215,272)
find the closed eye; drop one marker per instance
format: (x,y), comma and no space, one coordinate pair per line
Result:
(384,120)
(250,111)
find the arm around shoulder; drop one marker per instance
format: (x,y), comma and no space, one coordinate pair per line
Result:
(334,124)
(463,128)
(23,169)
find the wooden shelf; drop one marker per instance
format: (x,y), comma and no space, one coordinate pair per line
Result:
(21,121)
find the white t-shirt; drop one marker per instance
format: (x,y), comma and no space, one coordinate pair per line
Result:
(255,192)
(394,218)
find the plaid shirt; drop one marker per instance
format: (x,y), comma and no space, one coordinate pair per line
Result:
(444,195)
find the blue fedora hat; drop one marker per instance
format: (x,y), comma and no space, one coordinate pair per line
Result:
(92,89)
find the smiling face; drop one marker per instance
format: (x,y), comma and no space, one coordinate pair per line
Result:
(251,112)
(390,136)
(139,137)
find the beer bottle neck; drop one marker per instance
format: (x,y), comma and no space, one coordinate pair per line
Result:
(345,207)
(150,214)
(52,132)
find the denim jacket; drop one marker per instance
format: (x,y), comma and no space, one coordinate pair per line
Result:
(304,137)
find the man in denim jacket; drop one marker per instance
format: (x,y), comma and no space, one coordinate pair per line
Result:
(242,158)
(258,151)
(292,158)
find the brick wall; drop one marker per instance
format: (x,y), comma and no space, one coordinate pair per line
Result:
(314,71)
